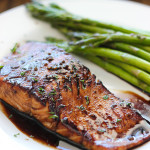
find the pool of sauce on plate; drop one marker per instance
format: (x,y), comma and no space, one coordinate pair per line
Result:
(30,128)
(34,131)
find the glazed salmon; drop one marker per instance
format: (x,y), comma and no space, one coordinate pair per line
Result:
(49,84)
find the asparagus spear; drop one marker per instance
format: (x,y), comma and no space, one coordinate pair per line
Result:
(146,48)
(60,17)
(116,37)
(58,42)
(75,35)
(117,55)
(56,14)
(130,49)
(137,50)
(84,27)
(140,74)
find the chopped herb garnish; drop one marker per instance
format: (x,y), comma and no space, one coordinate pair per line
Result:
(41,90)
(118,120)
(69,88)
(83,87)
(105,97)
(53,117)
(129,104)
(1,67)
(101,130)
(52,113)
(15,135)
(82,81)
(53,92)
(56,77)
(22,74)
(74,67)
(36,80)
(10,116)
(61,106)
(52,99)
(87,100)
(13,50)
(81,107)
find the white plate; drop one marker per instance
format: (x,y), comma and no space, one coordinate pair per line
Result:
(16,25)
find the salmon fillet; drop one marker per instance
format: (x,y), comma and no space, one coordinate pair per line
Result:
(49,84)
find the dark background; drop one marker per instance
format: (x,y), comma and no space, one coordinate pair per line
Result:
(7,4)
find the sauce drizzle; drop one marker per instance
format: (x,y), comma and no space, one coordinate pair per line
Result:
(30,128)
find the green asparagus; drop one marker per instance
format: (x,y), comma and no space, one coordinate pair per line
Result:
(119,72)
(55,14)
(140,74)
(146,48)
(117,55)
(130,49)
(116,37)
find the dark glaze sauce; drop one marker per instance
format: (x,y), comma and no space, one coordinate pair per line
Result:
(129,95)
(30,128)
(34,131)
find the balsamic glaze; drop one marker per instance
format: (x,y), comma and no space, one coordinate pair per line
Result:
(30,128)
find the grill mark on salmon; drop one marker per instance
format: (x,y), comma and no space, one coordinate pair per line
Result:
(47,83)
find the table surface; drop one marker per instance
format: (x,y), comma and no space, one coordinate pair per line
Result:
(7,4)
